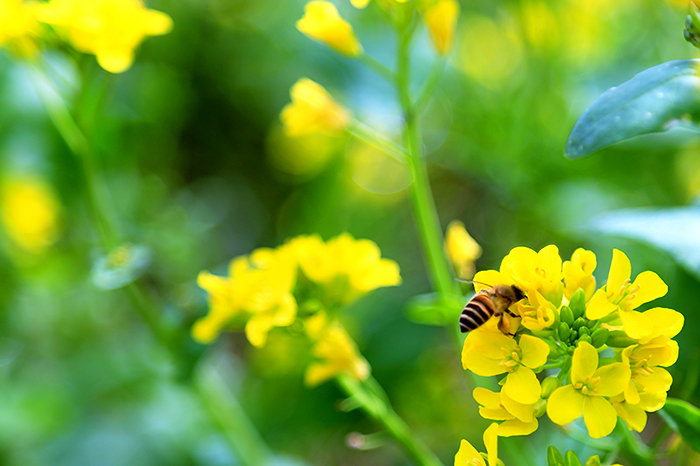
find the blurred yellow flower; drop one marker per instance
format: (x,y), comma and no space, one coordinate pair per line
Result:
(578,273)
(468,456)
(30,213)
(336,353)
(258,291)
(461,249)
(364,3)
(19,27)
(488,353)
(588,394)
(313,110)
(441,21)
(109,29)
(322,22)
(347,268)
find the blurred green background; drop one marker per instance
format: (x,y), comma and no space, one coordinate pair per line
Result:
(199,171)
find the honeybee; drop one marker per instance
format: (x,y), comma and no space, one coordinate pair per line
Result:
(493,301)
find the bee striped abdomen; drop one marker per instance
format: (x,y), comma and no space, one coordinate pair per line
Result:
(475,314)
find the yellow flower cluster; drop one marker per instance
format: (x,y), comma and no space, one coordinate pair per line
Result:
(610,357)
(109,29)
(305,280)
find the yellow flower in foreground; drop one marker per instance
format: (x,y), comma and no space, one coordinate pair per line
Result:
(461,249)
(578,273)
(313,110)
(468,456)
(347,268)
(30,213)
(258,291)
(537,312)
(441,20)
(109,29)
(323,23)
(18,26)
(519,418)
(650,381)
(588,393)
(488,353)
(337,353)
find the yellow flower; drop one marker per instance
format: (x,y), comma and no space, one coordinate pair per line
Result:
(323,23)
(519,418)
(461,249)
(109,29)
(468,456)
(347,268)
(619,294)
(19,27)
(537,312)
(337,353)
(531,271)
(30,213)
(258,291)
(488,353)
(633,415)
(441,20)
(588,394)
(578,273)
(650,382)
(313,110)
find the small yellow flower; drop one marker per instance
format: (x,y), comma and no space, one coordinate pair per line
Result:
(588,394)
(519,418)
(441,20)
(578,273)
(323,23)
(258,292)
(109,29)
(19,27)
(468,456)
(650,381)
(336,353)
(633,415)
(537,313)
(347,268)
(488,353)
(313,110)
(461,249)
(30,213)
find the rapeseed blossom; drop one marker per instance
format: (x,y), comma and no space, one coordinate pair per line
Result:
(468,456)
(313,110)
(461,249)
(562,325)
(322,22)
(441,21)
(300,284)
(109,29)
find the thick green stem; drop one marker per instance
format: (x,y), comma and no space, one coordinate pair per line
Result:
(376,406)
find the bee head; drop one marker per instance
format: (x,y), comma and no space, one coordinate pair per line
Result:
(518,293)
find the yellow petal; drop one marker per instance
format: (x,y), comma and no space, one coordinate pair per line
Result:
(486,397)
(599,306)
(483,352)
(666,322)
(460,246)
(565,405)
(652,401)
(487,279)
(650,287)
(614,379)
(634,416)
(359,3)
(522,386)
(599,415)
(441,21)
(516,427)
(620,270)
(631,394)
(286,311)
(535,351)
(585,362)
(658,381)
(491,443)
(467,455)
(257,328)
(318,372)
(636,325)
(323,23)
(524,412)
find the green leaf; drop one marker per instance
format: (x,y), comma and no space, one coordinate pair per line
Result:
(653,101)
(671,230)
(572,459)
(554,457)
(684,418)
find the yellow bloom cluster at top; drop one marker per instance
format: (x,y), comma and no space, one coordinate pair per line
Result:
(109,29)
(610,357)
(306,280)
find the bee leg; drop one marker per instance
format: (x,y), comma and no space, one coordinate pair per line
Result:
(504,325)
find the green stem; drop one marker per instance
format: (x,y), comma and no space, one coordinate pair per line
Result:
(421,195)
(227,413)
(378,67)
(430,85)
(378,140)
(379,409)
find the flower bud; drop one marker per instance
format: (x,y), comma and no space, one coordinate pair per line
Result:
(566,315)
(540,408)
(313,110)
(584,331)
(563,332)
(549,385)
(691,32)
(461,249)
(599,337)
(572,459)
(578,303)
(441,21)
(578,323)
(554,457)
(323,23)
(619,339)
(586,338)
(593,461)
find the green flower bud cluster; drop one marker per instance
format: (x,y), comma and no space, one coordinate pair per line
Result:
(692,29)
(574,327)
(555,458)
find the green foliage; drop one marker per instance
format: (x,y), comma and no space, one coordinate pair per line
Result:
(684,418)
(654,101)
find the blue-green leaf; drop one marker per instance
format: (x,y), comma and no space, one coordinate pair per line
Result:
(684,418)
(653,101)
